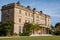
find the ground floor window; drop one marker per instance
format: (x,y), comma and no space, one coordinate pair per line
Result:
(20,29)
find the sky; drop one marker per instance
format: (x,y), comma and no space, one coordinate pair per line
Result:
(49,7)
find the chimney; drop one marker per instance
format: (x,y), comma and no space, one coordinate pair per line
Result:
(28,7)
(34,9)
(41,12)
(18,3)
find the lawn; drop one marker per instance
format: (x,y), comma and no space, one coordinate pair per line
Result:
(33,38)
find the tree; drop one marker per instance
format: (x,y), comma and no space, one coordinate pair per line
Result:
(51,30)
(29,28)
(37,27)
(57,25)
(57,29)
(6,28)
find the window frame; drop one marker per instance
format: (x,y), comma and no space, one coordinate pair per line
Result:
(25,13)
(19,20)
(19,11)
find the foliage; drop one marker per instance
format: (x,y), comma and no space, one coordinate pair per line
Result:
(28,27)
(6,28)
(51,31)
(56,29)
(15,34)
(57,25)
(24,34)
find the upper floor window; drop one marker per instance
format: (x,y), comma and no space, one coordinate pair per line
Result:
(19,11)
(25,21)
(19,19)
(7,12)
(37,16)
(26,13)
(32,15)
(29,14)
(48,19)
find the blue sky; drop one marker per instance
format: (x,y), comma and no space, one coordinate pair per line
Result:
(50,7)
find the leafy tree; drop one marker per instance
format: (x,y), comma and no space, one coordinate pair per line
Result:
(57,29)
(29,28)
(6,28)
(37,27)
(51,30)
(57,25)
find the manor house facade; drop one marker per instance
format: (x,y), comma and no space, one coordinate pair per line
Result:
(21,14)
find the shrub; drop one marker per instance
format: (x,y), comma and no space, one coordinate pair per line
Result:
(15,34)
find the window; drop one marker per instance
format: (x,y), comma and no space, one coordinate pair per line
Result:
(28,21)
(8,12)
(19,11)
(37,16)
(29,14)
(48,19)
(25,21)
(19,29)
(7,15)
(26,13)
(37,21)
(32,15)
(19,19)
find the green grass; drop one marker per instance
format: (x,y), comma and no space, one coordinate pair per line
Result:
(33,38)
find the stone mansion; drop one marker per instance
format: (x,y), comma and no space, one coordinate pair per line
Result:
(21,14)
